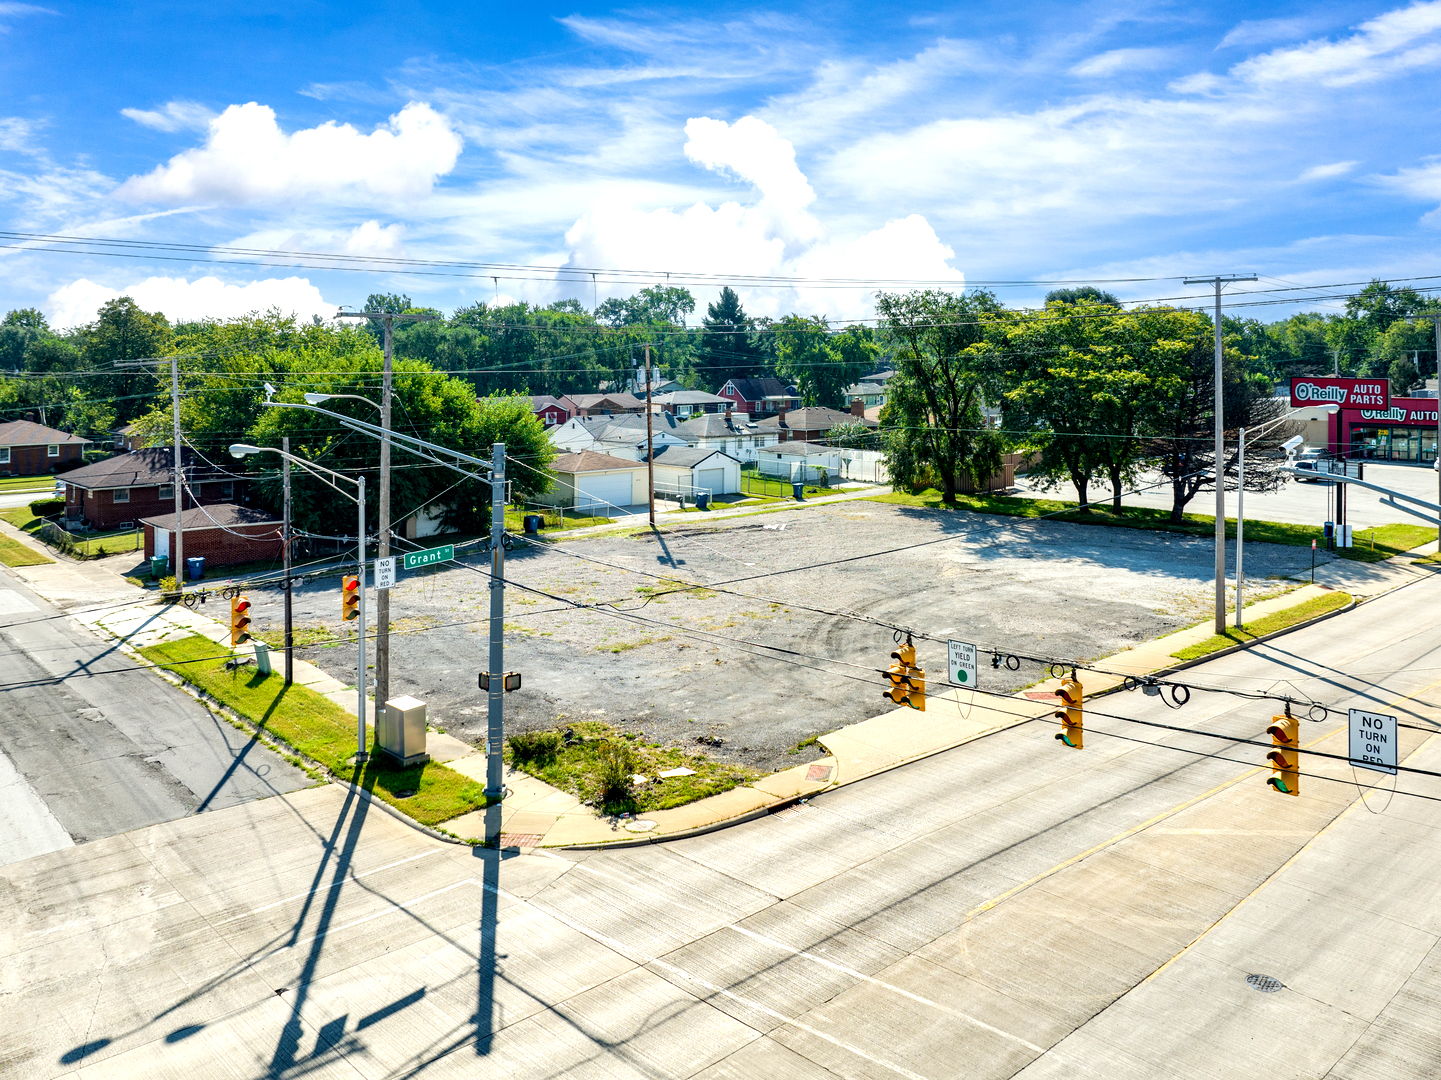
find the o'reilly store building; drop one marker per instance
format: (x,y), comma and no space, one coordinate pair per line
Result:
(1404,432)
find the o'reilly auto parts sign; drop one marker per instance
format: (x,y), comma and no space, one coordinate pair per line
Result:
(1347,393)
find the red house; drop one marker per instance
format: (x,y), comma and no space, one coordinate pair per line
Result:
(121,490)
(222,533)
(30,449)
(760,396)
(550,411)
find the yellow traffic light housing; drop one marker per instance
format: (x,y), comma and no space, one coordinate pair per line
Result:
(1071,694)
(1284,758)
(239,621)
(350,597)
(908,682)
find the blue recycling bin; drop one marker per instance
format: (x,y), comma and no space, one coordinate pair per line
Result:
(799,490)
(195,568)
(702,500)
(532,524)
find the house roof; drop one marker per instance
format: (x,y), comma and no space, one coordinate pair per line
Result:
(881,377)
(687,457)
(545,401)
(861,389)
(716,426)
(150,467)
(799,449)
(592,401)
(590,461)
(29,433)
(762,389)
(213,517)
(689,397)
(811,418)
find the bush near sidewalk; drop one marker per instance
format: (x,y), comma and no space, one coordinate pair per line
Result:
(319,729)
(1266,624)
(1371,545)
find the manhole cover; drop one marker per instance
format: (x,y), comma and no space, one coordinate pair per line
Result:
(1263,983)
(641,825)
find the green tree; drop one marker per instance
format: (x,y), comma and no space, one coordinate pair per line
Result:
(819,362)
(938,392)
(727,348)
(1082,292)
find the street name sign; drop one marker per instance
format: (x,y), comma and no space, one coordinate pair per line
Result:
(961,663)
(416,559)
(385,572)
(1373,741)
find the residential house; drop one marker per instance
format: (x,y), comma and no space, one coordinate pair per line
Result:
(617,404)
(623,436)
(870,394)
(802,462)
(30,449)
(127,488)
(684,470)
(687,403)
(596,482)
(658,385)
(735,433)
(129,438)
(811,423)
(760,396)
(550,411)
(222,533)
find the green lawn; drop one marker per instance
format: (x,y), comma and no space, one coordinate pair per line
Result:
(13,484)
(13,553)
(86,546)
(576,768)
(1266,624)
(1389,539)
(319,729)
(554,519)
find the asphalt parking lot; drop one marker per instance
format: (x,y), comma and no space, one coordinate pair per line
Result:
(680,666)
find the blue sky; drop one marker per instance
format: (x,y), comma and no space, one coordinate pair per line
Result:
(949,143)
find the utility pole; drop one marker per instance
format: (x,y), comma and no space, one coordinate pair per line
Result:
(179,567)
(1435,318)
(382,596)
(495,717)
(649,441)
(285,540)
(1219,472)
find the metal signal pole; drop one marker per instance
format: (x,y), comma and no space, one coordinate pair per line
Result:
(286,541)
(1219,471)
(649,442)
(495,712)
(179,568)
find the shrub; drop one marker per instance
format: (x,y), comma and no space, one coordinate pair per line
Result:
(169,590)
(534,747)
(616,763)
(47,508)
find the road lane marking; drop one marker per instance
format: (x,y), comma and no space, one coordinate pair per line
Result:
(332,885)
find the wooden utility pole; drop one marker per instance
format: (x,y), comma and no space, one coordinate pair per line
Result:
(649,441)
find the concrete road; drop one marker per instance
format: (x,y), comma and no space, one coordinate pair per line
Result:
(108,749)
(1008,907)
(1298,503)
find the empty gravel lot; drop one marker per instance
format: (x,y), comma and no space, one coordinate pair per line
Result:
(677,664)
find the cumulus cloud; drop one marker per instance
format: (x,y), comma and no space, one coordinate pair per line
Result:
(248,158)
(772,234)
(368,238)
(182,299)
(172,116)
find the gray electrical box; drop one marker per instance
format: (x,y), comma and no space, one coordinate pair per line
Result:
(402,730)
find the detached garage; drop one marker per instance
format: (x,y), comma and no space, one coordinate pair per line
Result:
(684,470)
(596,482)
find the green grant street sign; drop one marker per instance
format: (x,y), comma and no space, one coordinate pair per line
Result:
(416,559)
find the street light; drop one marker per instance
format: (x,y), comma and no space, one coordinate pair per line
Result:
(242,450)
(1289,446)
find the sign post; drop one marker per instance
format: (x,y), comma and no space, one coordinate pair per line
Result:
(1373,741)
(961,663)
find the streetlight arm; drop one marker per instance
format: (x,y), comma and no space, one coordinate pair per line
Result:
(315,399)
(245,450)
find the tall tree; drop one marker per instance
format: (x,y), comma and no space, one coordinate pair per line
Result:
(727,349)
(820,363)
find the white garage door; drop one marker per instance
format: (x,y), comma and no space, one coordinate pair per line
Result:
(713,480)
(605,488)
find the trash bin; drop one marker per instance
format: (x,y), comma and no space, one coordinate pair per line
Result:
(195,568)
(532,524)
(799,489)
(702,500)
(159,566)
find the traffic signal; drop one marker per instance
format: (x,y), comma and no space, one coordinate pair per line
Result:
(239,620)
(350,597)
(1285,768)
(908,682)
(1071,693)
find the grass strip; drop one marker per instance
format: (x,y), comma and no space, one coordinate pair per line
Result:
(13,553)
(577,767)
(1266,624)
(13,485)
(1372,545)
(319,729)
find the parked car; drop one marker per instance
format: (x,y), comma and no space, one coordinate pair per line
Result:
(1310,460)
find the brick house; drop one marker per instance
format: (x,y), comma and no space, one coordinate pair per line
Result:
(222,533)
(602,404)
(128,488)
(811,423)
(30,449)
(550,411)
(760,396)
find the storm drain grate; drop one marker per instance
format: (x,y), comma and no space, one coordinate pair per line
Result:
(1264,983)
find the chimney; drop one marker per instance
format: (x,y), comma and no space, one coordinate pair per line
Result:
(781,416)
(858,408)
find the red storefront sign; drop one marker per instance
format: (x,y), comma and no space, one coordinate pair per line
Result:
(1347,393)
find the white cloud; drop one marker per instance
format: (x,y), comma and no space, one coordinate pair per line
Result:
(1265,31)
(181,299)
(774,235)
(368,238)
(172,116)
(1118,60)
(248,158)
(1390,44)
(1325,172)
(18,134)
